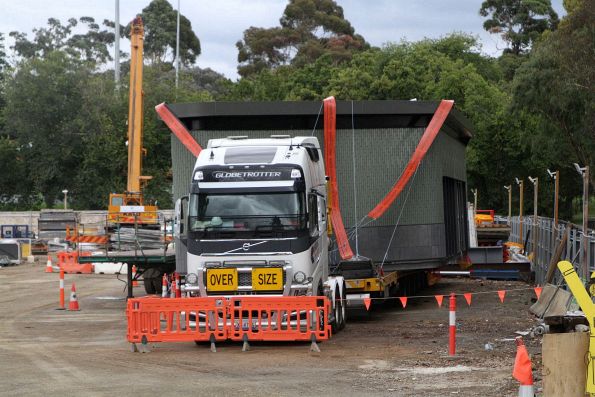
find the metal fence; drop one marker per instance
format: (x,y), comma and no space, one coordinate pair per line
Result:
(548,238)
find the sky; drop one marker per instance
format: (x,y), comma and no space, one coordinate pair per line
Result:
(220,24)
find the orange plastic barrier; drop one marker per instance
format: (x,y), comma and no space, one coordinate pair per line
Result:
(290,318)
(154,319)
(68,261)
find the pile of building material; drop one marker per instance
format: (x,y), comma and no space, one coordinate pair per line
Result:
(52,224)
(130,239)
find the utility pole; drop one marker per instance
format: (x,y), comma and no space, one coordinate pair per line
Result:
(178,47)
(535,182)
(556,176)
(474,191)
(520,183)
(65,198)
(584,172)
(509,189)
(117,49)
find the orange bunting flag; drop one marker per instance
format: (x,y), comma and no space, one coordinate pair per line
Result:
(439,299)
(468,298)
(367,302)
(403,300)
(501,295)
(537,291)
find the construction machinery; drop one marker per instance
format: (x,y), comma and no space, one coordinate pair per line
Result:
(129,208)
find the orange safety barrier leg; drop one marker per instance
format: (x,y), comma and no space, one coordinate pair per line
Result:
(314,346)
(245,345)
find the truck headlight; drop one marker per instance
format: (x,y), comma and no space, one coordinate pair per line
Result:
(299,277)
(191,278)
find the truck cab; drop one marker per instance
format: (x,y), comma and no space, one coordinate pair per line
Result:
(255,221)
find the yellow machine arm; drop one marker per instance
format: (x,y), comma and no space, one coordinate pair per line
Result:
(135,109)
(129,207)
(588,307)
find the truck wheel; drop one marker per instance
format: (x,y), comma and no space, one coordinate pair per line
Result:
(338,323)
(152,279)
(343,309)
(149,287)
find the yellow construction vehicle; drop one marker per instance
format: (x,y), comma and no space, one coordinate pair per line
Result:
(129,207)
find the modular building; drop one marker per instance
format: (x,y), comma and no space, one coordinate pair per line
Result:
(424,228)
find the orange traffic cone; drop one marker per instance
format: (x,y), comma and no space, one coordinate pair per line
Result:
(522,370)
(164,286)
(49,268)
(73,304)
(134,280)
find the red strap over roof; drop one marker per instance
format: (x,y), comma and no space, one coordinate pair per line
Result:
(178,129)
(330,135)
(422,148)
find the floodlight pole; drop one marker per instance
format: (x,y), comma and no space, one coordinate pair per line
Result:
(556,176)
(535,182)
(178,47)
(509,189)
(521,185)
(584,172)
(117,47)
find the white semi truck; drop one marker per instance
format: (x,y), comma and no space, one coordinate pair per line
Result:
(255,223)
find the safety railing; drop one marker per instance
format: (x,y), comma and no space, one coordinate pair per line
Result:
(248,318)
(152,319)
(548,238)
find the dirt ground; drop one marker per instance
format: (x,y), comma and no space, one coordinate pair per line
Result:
(390,351)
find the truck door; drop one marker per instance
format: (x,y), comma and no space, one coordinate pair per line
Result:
(181,234)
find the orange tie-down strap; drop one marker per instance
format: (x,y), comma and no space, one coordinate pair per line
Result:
(280,318)
(330,137)
(178,129)
(420,151)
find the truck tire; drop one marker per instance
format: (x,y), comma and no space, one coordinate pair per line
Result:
(152,280)
(339,321)
(149,287)
(343,309)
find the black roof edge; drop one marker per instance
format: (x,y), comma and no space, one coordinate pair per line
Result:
(187,112)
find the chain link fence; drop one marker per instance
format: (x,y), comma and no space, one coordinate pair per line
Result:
(548,238)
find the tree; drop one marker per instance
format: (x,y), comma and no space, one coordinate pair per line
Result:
(92,46)
(309,29)
(557,83)
(3,75)
(43,111)
(519,22)
(160,20)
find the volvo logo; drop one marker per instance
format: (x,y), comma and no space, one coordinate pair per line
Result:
(245,247)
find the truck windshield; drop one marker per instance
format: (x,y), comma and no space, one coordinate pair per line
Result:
(250,212)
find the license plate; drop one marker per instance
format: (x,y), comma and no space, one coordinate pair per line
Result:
(267,279)
(222,279)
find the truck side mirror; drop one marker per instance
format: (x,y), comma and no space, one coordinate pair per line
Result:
(180,216)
